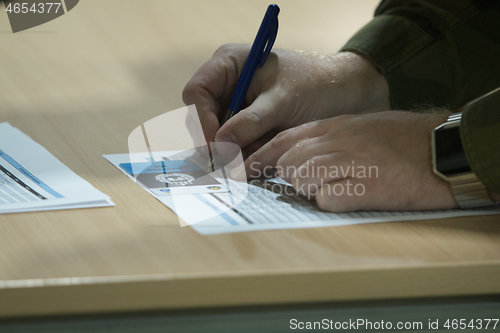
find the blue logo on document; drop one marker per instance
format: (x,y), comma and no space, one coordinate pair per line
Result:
(159,167)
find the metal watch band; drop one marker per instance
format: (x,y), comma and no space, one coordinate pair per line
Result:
(469,191)
(467,188)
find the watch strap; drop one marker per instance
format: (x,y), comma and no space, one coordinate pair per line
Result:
(469,191)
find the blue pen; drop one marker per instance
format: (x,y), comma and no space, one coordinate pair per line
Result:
(258,55)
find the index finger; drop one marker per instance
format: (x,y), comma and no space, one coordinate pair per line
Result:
(211,87)
(271,152)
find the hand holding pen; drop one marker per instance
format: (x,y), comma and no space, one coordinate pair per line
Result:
(259,52)
(291,89)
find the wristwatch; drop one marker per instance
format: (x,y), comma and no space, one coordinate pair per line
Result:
(451,164)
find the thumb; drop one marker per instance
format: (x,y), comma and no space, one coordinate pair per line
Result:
(249,124)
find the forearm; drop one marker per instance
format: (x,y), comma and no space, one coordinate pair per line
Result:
(364,88)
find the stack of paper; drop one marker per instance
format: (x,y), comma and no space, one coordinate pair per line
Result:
(32,179)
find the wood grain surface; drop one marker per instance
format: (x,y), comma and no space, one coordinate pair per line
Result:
(80,84)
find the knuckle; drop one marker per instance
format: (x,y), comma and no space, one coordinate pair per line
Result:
(333,199)
(342,122)
(323,201)
(304,179)
(343,133)
(317,162)
(188,92)
(298,177)
(301,184)
(232,50)
(255,120)
(280,138)
(225,48)
(283,168)
(280,163)
(302,146)
(253,158)
(280,135)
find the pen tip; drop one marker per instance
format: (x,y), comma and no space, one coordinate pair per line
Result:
(210,165)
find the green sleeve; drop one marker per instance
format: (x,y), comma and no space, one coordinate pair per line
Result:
(480,131)
(439,53)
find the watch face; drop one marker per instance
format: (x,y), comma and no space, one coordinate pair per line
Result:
(450,154)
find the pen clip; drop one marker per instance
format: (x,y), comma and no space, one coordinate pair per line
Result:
(273,32)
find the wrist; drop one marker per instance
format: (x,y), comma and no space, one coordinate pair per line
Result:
(368,87)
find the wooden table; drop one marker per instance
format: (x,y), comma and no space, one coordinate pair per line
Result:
(79,84)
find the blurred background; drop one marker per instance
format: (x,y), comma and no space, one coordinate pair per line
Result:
(104,58)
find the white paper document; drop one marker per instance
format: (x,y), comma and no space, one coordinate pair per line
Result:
(261,205)
(32,179)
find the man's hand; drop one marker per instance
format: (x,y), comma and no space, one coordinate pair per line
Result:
(379,161)
(291,89)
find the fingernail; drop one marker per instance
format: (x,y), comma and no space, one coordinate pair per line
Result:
(226,144)
(238,173)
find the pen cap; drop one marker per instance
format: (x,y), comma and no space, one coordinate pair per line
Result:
(257,56)
(273,11)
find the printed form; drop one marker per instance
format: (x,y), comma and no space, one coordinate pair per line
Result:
(32,179)
(226,206)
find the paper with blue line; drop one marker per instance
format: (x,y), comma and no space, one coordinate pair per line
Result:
(263,204)
(32,179)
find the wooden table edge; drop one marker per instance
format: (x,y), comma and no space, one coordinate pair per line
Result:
(85,295)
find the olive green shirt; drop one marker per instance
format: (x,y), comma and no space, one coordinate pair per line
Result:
(442,53)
